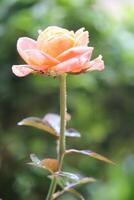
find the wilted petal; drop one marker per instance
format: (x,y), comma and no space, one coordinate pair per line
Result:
(21,70)
(74,52)
(81,37)
(96,64)
(79,31)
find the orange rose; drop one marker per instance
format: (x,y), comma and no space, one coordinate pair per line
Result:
(56,51)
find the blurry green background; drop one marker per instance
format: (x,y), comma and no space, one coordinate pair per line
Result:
(101,104)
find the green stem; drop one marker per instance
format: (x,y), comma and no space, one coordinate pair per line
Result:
(51,189)
(61,143)
(62,117)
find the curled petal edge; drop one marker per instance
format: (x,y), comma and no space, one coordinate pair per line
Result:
(22,70)
(74,65)
(74,52)
(83,39)
(39,60)
(24,43)
(96,64)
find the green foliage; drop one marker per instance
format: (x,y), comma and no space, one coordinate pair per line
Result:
(101,104)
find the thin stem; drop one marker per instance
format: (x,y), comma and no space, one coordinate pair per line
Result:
(51,189)
(61,143)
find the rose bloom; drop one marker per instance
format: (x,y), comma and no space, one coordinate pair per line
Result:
(56,51)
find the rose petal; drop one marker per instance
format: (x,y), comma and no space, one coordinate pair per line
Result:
(66,66)
(25,43)
(81,37)
(55,40)
(39,60)
(27,48)
(56,45)
(73,65)
(74,52)
(79,31)
(96,64)
(21,70)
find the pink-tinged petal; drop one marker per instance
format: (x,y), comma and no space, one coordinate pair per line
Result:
(81,37)
(25,43)
(74,52)
(34,57)
(39,60)
(21,70)
(73,65)
(96,64)
(79,31)
(66,66)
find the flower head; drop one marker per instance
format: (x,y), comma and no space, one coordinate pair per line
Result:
(56,51)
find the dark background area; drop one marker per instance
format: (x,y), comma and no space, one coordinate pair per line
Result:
(101,104)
